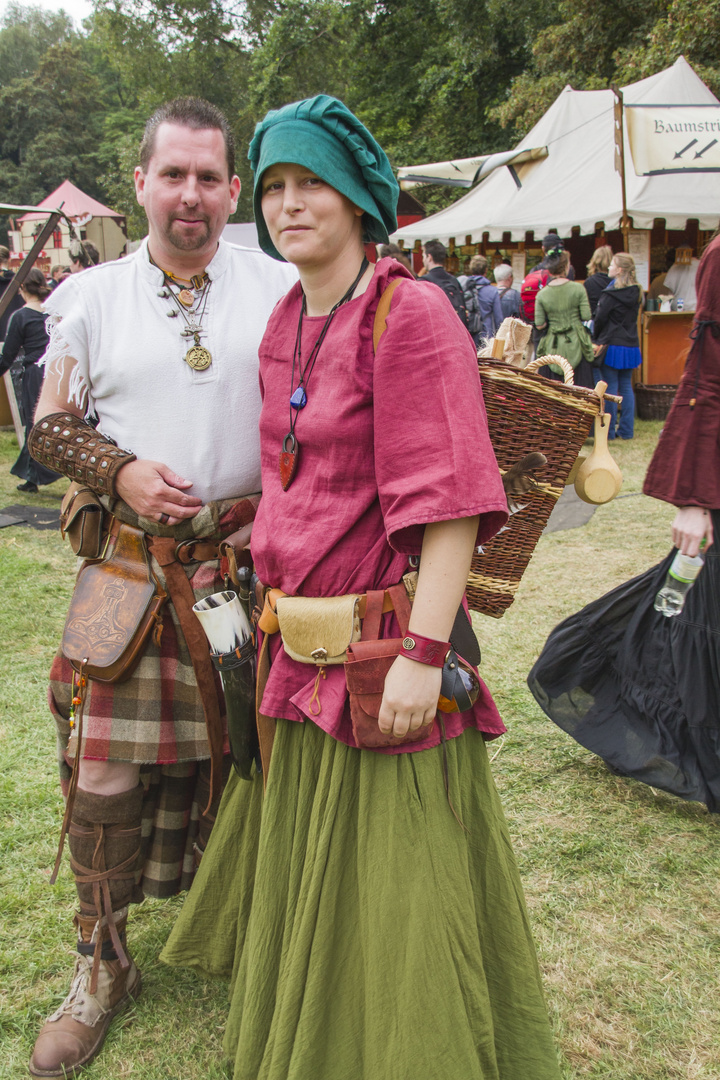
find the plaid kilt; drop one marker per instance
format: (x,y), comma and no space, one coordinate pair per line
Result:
(155,719)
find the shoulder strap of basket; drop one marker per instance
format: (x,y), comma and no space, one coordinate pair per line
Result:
(382,312)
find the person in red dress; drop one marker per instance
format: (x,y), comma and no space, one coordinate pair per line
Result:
(369,933)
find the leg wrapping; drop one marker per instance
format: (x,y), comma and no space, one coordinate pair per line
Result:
(104,839)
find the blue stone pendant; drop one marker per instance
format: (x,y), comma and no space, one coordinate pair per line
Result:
(299,398)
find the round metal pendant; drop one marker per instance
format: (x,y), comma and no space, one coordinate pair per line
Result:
(198,357)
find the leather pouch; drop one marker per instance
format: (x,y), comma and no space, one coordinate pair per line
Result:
(318,629)
(81,520)
(115,606)
(366,666)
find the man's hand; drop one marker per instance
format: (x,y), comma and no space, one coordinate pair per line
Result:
(154,491)
(410,697)
(691,526)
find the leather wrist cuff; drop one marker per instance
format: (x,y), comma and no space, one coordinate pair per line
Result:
(72,447)
(425,650)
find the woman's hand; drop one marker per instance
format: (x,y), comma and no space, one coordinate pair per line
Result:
(597,348)
(410,697)
(691,526)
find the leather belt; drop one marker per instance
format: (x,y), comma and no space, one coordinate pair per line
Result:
(165,550)
(267,622)
(196,551)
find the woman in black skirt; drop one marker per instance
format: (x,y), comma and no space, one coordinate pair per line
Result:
(637,688)
(27,338)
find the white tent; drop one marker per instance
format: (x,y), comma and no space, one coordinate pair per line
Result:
(577,183)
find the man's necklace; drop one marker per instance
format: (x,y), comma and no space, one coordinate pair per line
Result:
(290,451)
(191,304)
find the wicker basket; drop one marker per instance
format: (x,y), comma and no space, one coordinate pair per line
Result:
(653,402)
(527,412)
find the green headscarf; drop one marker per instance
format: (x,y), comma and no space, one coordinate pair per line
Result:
(322,134)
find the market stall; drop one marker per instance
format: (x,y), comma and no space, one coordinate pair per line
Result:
(636,170)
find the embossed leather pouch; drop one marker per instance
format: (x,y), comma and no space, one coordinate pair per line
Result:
(81,520)
(115,606)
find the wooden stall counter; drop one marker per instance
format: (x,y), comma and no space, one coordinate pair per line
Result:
(665,345)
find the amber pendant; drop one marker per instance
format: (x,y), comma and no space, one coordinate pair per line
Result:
(288,460)
(186,297)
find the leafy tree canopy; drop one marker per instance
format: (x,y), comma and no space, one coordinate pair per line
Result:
(432,79)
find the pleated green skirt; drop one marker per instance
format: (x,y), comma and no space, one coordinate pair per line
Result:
(366,935)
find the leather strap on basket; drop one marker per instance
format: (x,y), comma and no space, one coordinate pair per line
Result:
(163,549)
(382,311)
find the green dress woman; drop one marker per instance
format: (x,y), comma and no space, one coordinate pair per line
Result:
(560,310)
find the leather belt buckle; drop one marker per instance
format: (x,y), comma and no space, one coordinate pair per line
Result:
(196,551)
(185,552)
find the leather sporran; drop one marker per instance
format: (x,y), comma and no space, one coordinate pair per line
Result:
(114,608)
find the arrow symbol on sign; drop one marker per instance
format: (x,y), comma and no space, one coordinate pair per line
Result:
(681,152)
(700,153)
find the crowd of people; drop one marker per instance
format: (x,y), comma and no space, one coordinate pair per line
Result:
(367,858)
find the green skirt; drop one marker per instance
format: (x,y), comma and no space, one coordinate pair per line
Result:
(366,934)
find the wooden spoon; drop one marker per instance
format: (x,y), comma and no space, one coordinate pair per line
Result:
(599,479)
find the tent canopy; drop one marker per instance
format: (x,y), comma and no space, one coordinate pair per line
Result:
(577,183)
(76,204)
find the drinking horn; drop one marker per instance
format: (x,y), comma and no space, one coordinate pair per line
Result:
(232,649)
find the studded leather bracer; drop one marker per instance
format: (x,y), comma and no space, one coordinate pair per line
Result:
(72,447)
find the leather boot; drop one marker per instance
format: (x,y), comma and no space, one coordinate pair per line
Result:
(75,1032)
(104,840)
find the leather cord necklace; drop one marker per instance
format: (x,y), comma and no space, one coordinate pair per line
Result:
(290,451)
(197,357)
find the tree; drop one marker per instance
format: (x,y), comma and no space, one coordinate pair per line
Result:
(594,43)
(26,35)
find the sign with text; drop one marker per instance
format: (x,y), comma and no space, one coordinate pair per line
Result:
(639,248)
(673,138)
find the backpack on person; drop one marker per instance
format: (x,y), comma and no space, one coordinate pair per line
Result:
(453,290)
(475,322)
(531,286)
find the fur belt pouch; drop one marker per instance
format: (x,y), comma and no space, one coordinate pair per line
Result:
(318,629)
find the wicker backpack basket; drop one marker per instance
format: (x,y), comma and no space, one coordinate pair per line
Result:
(527,412)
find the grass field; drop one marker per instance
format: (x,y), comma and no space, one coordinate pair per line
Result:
(622,881)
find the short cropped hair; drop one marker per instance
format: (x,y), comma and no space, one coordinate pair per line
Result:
(436,251)
(192,112)
(4,253)
(478,265)
(503,272)
(84,253)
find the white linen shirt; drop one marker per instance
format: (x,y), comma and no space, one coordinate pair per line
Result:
(130,363)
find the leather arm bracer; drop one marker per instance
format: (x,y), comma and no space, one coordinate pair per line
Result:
(71,446)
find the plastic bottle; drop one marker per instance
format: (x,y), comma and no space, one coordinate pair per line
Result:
(679,579)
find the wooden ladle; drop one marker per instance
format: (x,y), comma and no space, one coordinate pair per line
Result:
(599,479)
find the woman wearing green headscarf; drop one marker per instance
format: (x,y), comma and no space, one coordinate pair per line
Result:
(366,906)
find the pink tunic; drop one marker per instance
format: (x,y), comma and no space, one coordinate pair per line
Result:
(388,443)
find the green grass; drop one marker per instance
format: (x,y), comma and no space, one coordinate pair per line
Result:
(621,881)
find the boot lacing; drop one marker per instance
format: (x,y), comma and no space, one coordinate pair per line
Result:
(79,1003)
